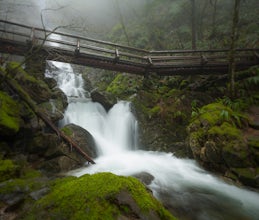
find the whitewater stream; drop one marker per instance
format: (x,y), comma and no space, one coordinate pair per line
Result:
(186,189)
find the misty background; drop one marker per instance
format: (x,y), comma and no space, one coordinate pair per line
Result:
(147,24)
(91,17)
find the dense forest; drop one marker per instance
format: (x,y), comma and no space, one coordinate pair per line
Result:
(193,139)
(168,25)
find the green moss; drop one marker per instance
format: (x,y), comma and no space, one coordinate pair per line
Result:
(246,172)
(247,175)
(154,111)
(123,86)
(197,134)
(93,197)
(9,115)
(14,67)
(29,173)
(67,131)
(8,170)
(226,130)
(212,113)
(20,185)
(253,142)
(38,90)
(217,113)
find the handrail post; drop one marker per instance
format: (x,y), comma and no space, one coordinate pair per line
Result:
(149,60)
(77,50)
(117,55)
(32,36)
(32,40)
(204,59)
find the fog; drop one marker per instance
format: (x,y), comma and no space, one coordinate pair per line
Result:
(91,16)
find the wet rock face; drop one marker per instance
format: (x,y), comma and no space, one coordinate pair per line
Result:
(102,99)
(52,155)
(144,177)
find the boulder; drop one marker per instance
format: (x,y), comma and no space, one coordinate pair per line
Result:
(59,156)
(219,144)
(38,90)
(144,177)
(82,137)
(98,196)
(102,99)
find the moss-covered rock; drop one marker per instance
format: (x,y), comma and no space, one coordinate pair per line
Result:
(98,196)
(249,175)
(37,89)
(124,85)
(9,115)
(8,170)
(20,191)
(163,114)
(218,141)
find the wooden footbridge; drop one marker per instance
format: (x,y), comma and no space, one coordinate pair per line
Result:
(20,39)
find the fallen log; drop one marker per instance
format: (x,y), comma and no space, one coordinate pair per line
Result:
(26,98)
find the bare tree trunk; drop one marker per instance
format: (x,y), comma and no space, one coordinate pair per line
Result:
(214,15)
(232,50)
(122,22)
(201,20)
(193,17)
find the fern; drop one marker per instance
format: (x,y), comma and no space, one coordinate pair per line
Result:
(224,115)
(253,80)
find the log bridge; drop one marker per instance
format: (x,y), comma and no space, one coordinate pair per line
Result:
(20,39)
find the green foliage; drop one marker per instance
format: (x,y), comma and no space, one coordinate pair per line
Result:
(8,170)
(38,90)
(94,197)
(154,111)
(9,115)
(225,129)
(216,113)
(235,105)
(123,86)
(67,131)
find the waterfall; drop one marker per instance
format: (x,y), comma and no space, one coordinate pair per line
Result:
(180,183)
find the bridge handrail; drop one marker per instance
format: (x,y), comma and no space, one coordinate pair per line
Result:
(147,52)
(76,37)
(155,52)
(141,55)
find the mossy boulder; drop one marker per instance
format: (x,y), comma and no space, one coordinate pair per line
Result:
(249,176)
(38,90)
(98,196)
(19,191)
(9,115)
(56,156)
(55,107)
(218,141)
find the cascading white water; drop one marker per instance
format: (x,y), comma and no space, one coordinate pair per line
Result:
(180,183)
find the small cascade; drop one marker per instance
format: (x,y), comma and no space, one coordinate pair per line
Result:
(181,184)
